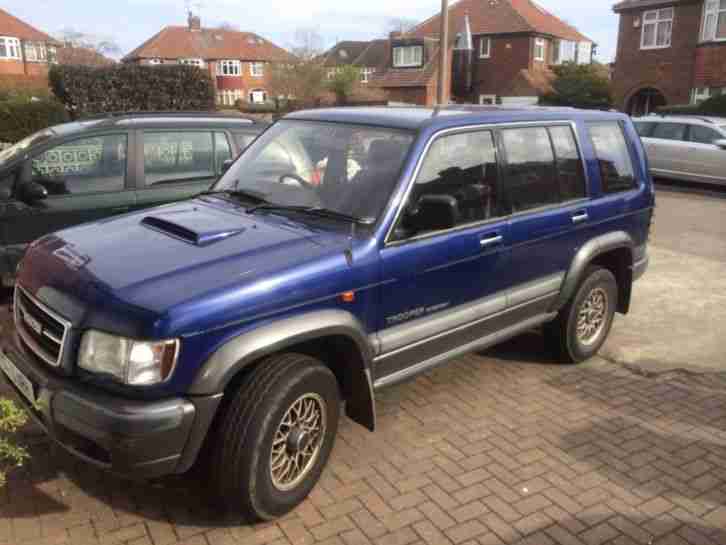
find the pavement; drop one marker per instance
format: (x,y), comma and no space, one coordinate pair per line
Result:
(500,447)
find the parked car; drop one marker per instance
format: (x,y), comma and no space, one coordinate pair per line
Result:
(89,170)
(685,148)
(236,323)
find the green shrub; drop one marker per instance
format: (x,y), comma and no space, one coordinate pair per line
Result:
(11,420)
(250,108)
(130,87)
(20,116)
(580,86)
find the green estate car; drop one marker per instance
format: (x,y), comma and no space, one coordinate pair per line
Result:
(88,170)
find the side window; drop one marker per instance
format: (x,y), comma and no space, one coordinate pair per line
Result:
(570,173)
(644,129)
(463,166)
(243,140)
(703,135)
(670,131)
(171,157)
(222,151)
(529,176)
(616,168)
(90,165)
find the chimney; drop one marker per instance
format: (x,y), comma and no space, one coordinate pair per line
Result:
(195,22)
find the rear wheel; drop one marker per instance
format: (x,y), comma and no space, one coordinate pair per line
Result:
(276,436)
(583,324)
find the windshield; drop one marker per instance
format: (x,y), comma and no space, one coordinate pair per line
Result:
(343,168)
(24,144)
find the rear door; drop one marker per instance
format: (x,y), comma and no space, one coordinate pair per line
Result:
(180,163)
(544,179)
(709,160)
(668,149)
(86,178)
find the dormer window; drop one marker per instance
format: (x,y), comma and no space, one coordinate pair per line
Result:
(714,21)
(657,29)
(408,56)
(229,68)
(9,48)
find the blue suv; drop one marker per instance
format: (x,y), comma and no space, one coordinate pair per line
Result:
(345,251)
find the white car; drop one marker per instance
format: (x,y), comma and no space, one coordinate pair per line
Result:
(688,148)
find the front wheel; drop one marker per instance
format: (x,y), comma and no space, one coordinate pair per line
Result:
(583,324)
(276,436)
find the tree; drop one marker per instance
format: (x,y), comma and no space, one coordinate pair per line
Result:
(102,45)
(343,82)
(399,24)
(308,44)
(580,86)
(303,81)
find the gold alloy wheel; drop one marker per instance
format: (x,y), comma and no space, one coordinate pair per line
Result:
(298,441)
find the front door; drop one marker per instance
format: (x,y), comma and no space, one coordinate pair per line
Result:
(440,285)
(180,164)
(668,148)
(86,180)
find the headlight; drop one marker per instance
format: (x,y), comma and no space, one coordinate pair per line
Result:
(129,361)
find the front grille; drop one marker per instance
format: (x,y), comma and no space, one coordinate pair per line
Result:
(41,329)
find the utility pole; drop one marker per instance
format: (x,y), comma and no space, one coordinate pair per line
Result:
(443,62)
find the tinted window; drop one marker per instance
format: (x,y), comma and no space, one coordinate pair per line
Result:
(90,165)
(570,172)
(644,129)
(178,157)
(530,176)
(244,140)
(222,151)
(463,166)
(670,131)
(616,169)
(703,135)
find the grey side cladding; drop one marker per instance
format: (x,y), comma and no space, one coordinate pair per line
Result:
(585,256)
(250,347)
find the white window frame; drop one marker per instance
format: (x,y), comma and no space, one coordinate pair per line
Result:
(584,52)
(332,72)
(414,52)
(199,63)
(655,22)
(365,74)
(154,62)
(229,68)
(251,95)
(539,43)
(485,54)
(11,45)
(229,97)
(712,8)
(482,99)
(35,52)
(257,69)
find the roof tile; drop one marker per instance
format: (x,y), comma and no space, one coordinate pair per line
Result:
(13,27)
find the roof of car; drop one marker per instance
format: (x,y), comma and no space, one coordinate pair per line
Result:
(706,119)
(412,118)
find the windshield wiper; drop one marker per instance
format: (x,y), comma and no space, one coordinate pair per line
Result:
(313,210)
(245,194)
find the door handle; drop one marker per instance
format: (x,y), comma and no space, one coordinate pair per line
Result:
(491,241)
(580,217)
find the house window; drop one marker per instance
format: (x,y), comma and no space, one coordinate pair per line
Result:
(229,97)
(564,51)
(408,56)
(539,49)
(199,63)
(332,72)
(485,48)
(9,48)
(258,96)
(699,94)
(154,62)
(584,53)
(257,69)
(229,68)
(657,29)
(366,73)
(488,99)
(714,21)
(35,52)
(52,55)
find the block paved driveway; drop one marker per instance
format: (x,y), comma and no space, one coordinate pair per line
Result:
(501,447)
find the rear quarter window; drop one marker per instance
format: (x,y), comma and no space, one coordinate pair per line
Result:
(644,128)
(613,157)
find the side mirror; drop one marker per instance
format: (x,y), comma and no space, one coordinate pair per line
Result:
(433,213)
(721,143)
(31,192)
(226,165)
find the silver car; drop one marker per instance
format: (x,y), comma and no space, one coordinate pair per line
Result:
(685,148)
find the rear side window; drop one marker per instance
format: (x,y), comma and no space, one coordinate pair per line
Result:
(529,175)
(670,131)
(171,157)
(644,129)
(616,167)
(570,173)
(222,151)
(703,135)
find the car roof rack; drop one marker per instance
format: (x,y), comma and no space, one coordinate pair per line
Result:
(169,114)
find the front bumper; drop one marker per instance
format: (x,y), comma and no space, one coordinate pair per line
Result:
(132,438)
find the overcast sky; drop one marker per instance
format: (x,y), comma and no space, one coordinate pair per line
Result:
(130,22)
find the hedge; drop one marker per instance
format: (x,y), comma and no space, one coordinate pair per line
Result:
(715,106)
(21,117)
(129,87)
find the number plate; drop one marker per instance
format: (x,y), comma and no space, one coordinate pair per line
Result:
(17,378)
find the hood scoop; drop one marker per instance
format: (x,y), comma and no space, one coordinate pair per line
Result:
(197,229)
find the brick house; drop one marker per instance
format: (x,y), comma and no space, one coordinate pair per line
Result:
(669,52)
(504,49)
(370,58)
(25,52)
(239,62)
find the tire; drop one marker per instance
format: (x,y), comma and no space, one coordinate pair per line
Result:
(562,335)
(242,469)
